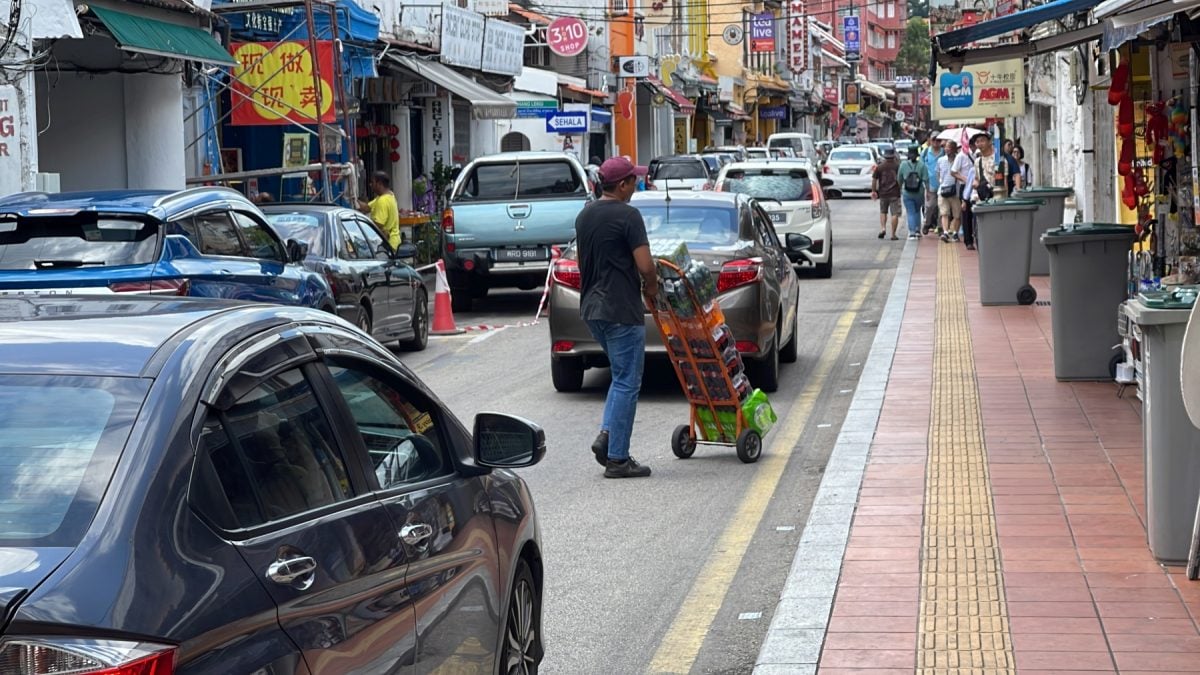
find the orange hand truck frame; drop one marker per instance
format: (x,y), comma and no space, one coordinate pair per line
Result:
(684,439)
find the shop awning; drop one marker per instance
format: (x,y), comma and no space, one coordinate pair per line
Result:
(144,35)
(828,55)
(1052,43)
(677,100)
(485,103)
(737,112)
(529,15)
(1123,13)
(1026,18)
(717,115)
(601,116)
(871,89)
(594,93)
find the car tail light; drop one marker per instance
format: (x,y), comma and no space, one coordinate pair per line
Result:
(562,346)
(747,347)
(448,221)
(151,287)
(566,272)
(817,204)
(43,656)
(738,273)
(828,169)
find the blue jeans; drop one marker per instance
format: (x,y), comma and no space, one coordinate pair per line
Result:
(626,349)
(912,209)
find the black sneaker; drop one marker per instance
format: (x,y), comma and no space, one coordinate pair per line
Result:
(627,469)
(600,448)
(956,237)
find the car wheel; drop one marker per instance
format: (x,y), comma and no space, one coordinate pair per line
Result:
(765,371)
(567,374)
(363,320)
(420,325)
(825,269)
(791,351)
(834,194)
(521,647)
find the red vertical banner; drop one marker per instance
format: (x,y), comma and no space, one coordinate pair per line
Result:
(274,83)
(797,36)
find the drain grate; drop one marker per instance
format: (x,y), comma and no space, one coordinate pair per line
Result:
(1042,303)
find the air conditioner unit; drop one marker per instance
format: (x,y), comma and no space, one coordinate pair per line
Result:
(620,7)
(424,89)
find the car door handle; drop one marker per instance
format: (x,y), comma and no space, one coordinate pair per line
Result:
(416,533)
(298,571)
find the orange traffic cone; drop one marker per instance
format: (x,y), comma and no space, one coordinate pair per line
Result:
(443,311)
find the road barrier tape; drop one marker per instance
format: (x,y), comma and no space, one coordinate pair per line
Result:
(555,254)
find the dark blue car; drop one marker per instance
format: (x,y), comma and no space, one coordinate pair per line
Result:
(207,242)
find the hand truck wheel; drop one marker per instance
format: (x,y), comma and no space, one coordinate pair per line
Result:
(682,443)
(749,446)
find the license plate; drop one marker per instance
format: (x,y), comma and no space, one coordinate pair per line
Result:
(778,217)
(850,172)
(521,254)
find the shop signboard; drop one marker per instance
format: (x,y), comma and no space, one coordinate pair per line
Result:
(490,7)
(773,112)
(11,154)
(273,83)
(725,88)
(762,32)
(567,36)
(503,47)
(439,117)
(798,36)
(535,109)
(830,94)
(980,91)
(904,100)
(462,37)
(852,37)
(852,99)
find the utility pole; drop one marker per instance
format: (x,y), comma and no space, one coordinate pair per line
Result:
(854,73)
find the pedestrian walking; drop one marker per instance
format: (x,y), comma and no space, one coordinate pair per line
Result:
(929,157)
(382,208)
(992,175)
(952,171)
(1023,167)
(885,186)
(968,212)
(1013,180)
(617,271)
(915,182)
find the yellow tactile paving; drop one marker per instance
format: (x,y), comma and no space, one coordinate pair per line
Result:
(964,624)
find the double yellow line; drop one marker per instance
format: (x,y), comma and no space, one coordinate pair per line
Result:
(680,646)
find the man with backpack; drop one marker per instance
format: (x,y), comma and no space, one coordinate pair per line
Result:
(885,186)
(914,181)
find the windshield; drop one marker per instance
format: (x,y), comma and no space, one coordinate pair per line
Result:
(55,467)
(305,227)
(76,241)
(786,186)
(701,227)
(532,180)
(680,170)
(851,155)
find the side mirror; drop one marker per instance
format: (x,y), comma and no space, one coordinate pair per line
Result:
(297,251)
(406,251)
(507,442)
(826,182)
(798,242)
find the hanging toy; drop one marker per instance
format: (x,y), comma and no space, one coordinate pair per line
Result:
(1125,164)
(1156,131)
(1178,127)
(1125,117)
(1140,187)
(1117,88)
(1128,197)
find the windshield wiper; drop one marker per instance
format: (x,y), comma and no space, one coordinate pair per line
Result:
(53,264)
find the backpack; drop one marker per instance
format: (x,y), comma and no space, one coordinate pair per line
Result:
(912,182)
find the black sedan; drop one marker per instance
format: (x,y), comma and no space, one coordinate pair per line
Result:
(372,285)
(199,486)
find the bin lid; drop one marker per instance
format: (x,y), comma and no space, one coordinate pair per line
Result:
(1046,191)
(1009,204)
(1074,232)
(1180,297)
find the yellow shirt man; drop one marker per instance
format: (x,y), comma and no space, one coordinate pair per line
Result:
(386,215)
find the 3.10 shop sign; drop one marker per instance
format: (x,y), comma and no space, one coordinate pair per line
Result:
(274,83)
(567,36)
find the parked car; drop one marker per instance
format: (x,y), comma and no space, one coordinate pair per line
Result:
(757,285)
(792,197)
(507,213)
(850,168)
(207,242)
(903,145)
(757,153)
(682,172)
(801,143)
(880,146)
(738,151)
(723,158)
(241,488)
(373,286)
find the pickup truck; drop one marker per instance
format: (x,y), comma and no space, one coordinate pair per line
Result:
(506,213)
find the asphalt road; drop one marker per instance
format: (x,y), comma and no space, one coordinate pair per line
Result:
(679,572)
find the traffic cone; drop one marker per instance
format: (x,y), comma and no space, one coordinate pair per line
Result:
(443,310)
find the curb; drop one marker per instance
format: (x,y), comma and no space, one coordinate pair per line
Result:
(793,641)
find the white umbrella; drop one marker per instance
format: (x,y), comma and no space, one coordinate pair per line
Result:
(960,135)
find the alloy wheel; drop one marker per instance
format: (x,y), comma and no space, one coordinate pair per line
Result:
(520,633)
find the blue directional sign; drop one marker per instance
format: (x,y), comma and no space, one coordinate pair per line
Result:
(852,37)
(567,123)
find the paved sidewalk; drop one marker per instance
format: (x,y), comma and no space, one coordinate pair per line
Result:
(977,515)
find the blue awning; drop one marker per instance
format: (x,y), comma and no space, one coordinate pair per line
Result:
(601,116)
(1011,22)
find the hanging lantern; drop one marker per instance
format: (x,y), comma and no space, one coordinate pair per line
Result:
(1119,87)
(394,143)
(1125,118)
(394,157)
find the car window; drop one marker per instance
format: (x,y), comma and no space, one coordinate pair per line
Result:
(685,170)
(379,249)
(698,226)
(852,155)
(305,227)
(766,231)
(217,234)
(186,227)
(259,242)
(522,180)
(355,244)
(76,241)
(55,467)
(270,456)
(398,430)
(786,186)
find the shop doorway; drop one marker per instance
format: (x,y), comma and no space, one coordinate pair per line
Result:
(514,141)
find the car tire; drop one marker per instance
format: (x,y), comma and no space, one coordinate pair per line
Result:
(791,351)
(764,372)
(834,194)
(363,319)
(521,643)
(420,325)
(825,269)
(567,374)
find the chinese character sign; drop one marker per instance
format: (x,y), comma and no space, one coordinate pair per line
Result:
(762,32)
(274,83)
(994,89)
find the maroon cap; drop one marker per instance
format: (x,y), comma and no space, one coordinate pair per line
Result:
(617,169)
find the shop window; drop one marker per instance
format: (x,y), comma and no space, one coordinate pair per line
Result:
(514,142)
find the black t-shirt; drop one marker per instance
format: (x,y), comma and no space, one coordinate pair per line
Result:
(606,233)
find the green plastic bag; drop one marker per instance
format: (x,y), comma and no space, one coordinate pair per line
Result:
(758,412)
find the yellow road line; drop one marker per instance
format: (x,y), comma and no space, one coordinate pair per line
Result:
(678,650)
(964,618)
(882,255)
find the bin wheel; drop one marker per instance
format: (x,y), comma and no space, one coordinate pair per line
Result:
(1027,295)
(749,446)
(1115,361)
(682,443)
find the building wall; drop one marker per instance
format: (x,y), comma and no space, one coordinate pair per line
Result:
(83,118)
(154,132)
